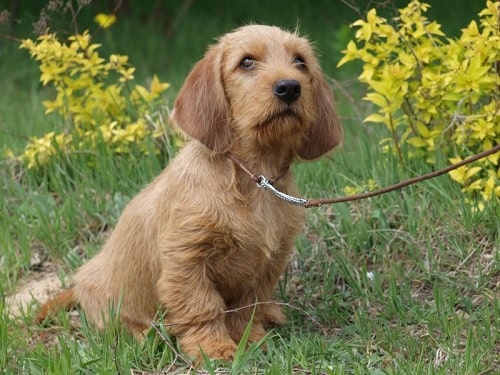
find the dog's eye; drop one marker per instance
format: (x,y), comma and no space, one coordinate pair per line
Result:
(247,63)
(299,63)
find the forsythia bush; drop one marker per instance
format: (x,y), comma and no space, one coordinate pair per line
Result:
(94,97)
(434,92)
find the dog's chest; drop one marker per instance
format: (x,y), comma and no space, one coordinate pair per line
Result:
(262,235)
(265,225)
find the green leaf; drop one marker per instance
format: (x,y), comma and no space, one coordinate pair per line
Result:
(375,117)
(423,130)
(377,99)
(417,142)
(452,96)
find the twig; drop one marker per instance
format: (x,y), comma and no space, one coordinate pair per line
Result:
(252,305)
(476,248)
(352,5)
(115,10)
(349,97)
(10,37)
(172,348)
(395,136)
(315,321)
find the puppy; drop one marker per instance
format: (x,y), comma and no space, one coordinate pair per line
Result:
(202,240)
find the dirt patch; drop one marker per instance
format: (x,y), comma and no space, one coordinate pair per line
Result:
(36,290)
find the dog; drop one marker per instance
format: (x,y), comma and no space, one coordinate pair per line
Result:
(202,241)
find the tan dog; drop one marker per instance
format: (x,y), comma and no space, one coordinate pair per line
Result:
(202,239)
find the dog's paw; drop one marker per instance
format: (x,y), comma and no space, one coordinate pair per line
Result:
(273,316)
(256,333)
(214,349)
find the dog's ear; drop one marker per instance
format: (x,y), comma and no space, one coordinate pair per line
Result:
(325,132)
(201,109)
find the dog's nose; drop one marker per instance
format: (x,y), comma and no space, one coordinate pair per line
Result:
(287,90)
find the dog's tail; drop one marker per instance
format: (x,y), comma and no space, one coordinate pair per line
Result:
(65,300)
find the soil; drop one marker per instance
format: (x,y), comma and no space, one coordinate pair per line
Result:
(44,283)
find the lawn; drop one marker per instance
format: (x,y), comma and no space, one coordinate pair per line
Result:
(404,283)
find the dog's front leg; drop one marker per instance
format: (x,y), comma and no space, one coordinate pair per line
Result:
(271,313)
(239,316)
(193,306)
(266,314)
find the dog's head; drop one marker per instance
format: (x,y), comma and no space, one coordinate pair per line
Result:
(262,85)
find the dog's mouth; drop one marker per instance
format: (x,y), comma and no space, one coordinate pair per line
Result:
(288,114)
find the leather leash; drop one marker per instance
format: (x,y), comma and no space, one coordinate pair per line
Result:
(253,176)
(267,184)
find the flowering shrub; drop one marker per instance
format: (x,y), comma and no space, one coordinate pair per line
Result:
(433,92)
(95,98)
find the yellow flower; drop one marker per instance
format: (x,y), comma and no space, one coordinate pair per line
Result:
(105,20)
(157,87)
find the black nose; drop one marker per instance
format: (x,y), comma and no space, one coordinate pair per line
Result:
(287,90)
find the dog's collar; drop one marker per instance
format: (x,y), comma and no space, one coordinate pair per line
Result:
(258,178)
(263,182)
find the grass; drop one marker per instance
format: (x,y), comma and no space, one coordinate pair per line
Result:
(405,283)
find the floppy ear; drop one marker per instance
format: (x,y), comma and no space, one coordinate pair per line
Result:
(325,132)
(201,110)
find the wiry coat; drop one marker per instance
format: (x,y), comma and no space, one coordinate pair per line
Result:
(202,239)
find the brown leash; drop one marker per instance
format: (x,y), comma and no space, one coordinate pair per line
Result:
(253,176)
(263,182)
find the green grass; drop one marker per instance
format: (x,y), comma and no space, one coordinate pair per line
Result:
(405,283)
